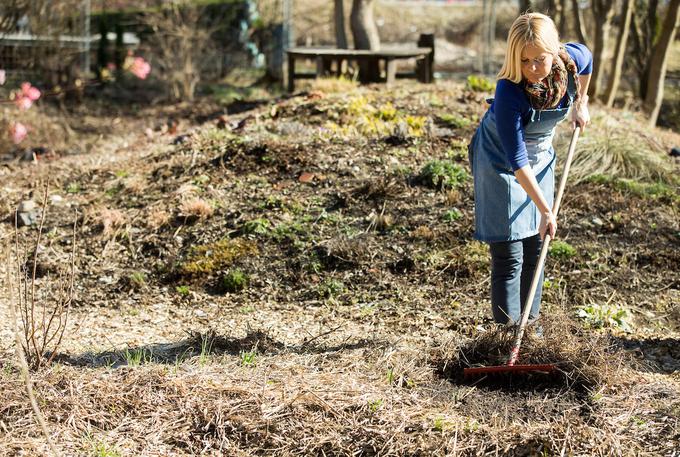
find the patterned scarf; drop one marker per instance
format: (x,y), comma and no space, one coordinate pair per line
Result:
(547,93)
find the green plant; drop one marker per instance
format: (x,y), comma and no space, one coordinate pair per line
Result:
(122,174)
(601,316)
(330,288)
(73,188)
(206,347)
(183,290)
(257,227)
(235,281)
(375,405)
(101,449)
(455,121)
(137,280)
(457,151)
(201,180)
(452,215)
(561,250)
(137,357)
(387,112)
(443,174)
(480,84)
(391,377)
(638,421)
(416,124)
(441,424)
(289,231)
(114,190)
(248,358)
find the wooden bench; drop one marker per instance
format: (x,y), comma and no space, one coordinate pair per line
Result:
(325,56)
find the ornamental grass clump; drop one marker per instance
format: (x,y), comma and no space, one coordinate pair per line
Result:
(619,148)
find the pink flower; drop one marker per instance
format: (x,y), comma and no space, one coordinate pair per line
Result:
(29,91)
(140,68)
(111,66)
(18,132)
(2,77)
(23,103)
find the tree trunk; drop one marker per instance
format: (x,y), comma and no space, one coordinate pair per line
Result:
(365,34)
(524,6)
(657,64)
(621,40)
(578,18)
(562,20)
(603,11)
(364,31)
(644,28)
(339,21)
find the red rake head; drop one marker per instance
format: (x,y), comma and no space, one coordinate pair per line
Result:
(500,369)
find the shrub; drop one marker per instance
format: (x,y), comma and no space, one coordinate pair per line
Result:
(561,250)
(235,281)
(443,174)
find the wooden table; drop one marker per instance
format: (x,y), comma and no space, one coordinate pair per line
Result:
(324,56)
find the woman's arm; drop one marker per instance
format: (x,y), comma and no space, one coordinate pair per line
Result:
(579,114)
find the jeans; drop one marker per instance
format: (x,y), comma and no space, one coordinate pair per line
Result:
(512,268)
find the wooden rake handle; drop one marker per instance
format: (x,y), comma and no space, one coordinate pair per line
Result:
(514,354)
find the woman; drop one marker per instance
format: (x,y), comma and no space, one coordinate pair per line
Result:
(512,158)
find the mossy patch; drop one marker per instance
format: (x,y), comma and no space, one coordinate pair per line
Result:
(210,258)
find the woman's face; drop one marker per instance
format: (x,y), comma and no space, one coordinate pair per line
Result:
(536,63)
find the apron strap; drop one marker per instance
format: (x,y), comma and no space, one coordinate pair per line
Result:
(571,86)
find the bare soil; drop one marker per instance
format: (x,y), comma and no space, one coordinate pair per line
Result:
(364,294)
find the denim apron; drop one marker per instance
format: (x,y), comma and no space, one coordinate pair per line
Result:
(503,210)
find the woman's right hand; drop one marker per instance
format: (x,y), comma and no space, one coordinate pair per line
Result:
(548,225)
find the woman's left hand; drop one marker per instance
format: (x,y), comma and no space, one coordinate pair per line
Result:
(579,113)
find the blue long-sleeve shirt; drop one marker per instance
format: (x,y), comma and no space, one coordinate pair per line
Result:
(512,109)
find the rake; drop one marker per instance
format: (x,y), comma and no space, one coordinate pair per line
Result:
(511,366)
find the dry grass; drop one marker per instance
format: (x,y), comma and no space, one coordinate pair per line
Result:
(196,207)
(584,361)
(158,217)
(365,398)
(111,221)
(137,185)
(301,391)
(621,147)
(333,85)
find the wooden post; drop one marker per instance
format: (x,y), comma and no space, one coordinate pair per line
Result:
(425,67)
(319,66)
(391,70)
(291,72)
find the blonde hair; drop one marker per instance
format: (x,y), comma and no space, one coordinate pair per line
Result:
(530,28)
